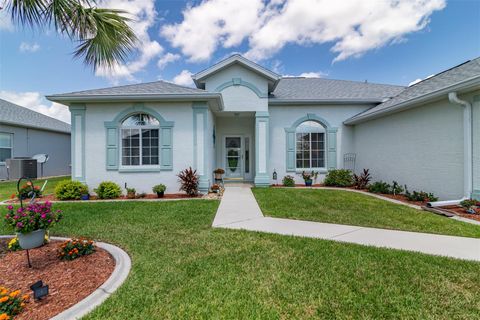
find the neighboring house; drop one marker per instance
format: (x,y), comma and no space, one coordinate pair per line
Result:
(252,122)
(24,133)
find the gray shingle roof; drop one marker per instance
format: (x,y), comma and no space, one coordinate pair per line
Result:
(329,89)
(443,80)
(157,87)
(14,114)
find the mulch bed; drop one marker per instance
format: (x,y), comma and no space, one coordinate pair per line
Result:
(51,197)
(69,281)
(460,211)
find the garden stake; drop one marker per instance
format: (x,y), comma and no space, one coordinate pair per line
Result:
(21,205)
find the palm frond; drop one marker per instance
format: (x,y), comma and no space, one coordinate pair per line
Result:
(28,12)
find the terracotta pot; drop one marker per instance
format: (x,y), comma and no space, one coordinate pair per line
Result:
(32,239)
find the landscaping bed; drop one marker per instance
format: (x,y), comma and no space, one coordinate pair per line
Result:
(69,281)
(168,196)
(460,211)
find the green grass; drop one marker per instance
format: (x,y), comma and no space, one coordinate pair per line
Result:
(344,207)
(184,269)
(7,188)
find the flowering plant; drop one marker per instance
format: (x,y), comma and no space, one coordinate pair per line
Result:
(26,191)
(11,303)
(72,249)
(33,217)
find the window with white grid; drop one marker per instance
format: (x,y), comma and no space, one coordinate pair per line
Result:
(310,145)
(140,140)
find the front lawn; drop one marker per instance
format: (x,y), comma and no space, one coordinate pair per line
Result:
(344,207)
(7,188)
(184,269)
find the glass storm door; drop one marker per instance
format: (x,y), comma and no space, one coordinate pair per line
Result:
(233,157)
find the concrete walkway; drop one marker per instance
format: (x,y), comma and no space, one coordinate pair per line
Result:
(239,210)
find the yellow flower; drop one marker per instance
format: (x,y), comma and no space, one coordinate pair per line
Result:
(4,292)
(15,293)
(3,299)
(4,316)
(25,297)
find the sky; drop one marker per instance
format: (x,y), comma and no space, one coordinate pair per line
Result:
(381,41)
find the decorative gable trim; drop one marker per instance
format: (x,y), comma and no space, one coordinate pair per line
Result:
(240,82)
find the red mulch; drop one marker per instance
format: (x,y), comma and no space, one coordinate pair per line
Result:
(51,197)
(460,211)
(69,281)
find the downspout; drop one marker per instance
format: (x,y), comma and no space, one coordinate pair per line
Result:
(467,151)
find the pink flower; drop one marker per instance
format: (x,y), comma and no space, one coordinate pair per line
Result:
(10,207)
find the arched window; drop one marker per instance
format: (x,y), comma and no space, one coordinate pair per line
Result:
(140,140)
(310,145)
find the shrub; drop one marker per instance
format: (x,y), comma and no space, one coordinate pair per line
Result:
(380,187)
(33,217)
(26,191)
(219,171)
(420,196)
(361,181)
(468,203)
(159,188)
(108,190)
(288,181)
(11,303)
(396,188)
(309,176)
(131,192)
(70,190)
(189,181)
(339,178)
(72,249)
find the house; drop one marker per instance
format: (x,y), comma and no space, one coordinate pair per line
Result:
(253,122)
(25,133)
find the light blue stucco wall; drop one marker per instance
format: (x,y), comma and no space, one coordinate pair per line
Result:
(282,117)
(421,147)
(242,89)
(476,146)
(95,146)
(28,142)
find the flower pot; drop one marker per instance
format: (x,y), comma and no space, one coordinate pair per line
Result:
(308,183)
(85,197)
(32,239)
(160,194)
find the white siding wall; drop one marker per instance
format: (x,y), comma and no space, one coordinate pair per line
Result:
(421,147)
(180,113)
(284,116)
(476,145)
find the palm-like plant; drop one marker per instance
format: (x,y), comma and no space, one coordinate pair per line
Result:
(104,36)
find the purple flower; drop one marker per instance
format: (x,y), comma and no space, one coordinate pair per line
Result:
(19,225)
(10,207)
(49,220)
(15,217)
(43,216)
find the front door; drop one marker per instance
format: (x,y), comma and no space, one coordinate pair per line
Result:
(233,157)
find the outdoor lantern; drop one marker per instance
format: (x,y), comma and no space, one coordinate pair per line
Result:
(39,290)
(275,176)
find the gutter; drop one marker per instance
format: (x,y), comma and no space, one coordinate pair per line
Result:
(470,83)
(467,151)
(215,98)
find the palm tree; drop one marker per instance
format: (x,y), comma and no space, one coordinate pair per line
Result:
(104,36)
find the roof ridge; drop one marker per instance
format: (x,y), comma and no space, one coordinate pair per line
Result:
(34,112)
(344,80)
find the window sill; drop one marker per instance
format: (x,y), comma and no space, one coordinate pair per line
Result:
(140,169)
(319,170)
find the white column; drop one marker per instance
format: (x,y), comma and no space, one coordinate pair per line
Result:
(262,177)
(78,141)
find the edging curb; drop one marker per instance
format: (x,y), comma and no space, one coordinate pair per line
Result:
(123,264)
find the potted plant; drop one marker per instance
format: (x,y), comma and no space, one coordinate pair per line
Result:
(215,188)
(85,196)
(131,192)
(31,222)
(159,189)
(469,205)
(309,177)
(219,172)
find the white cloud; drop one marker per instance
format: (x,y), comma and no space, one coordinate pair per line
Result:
(312,74)
(29,47)
(5,21)
(36,102)
(143,15)
(166,59)
(352,27)
(184,78)
(419,80)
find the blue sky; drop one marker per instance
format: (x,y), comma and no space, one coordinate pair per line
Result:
(378,41)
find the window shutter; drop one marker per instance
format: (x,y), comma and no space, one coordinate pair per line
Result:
(166,149)
(332,148)
(290,147)
(112,148)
